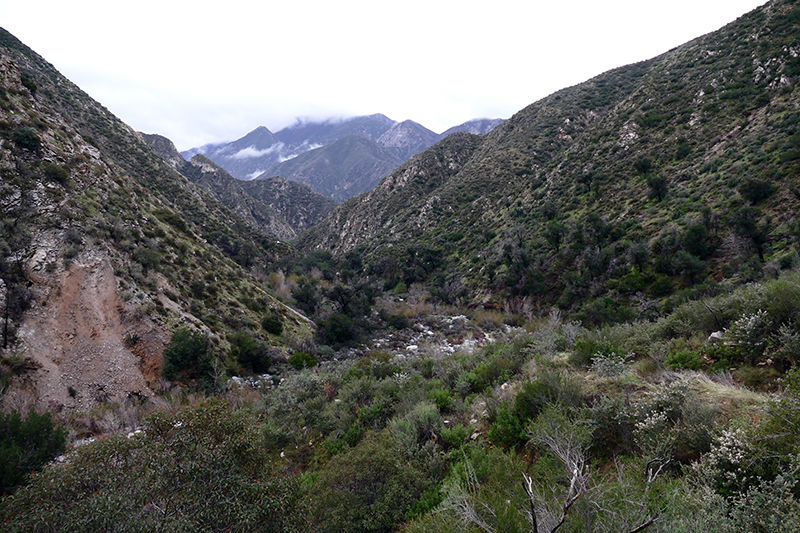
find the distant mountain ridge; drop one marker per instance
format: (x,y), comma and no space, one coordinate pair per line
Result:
(384,142)
(275,205)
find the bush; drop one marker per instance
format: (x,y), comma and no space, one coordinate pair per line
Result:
(337,329)
(200,469)
(26,446)
(56,173)
(370,488)
(184,354)
(251,354)
(756,190)
(683,360)
(301,360)
(26,137)
(273,323)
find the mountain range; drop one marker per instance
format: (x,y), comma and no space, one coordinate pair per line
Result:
(280,207)
(338,158)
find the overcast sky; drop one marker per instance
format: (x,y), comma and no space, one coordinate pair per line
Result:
(200,72)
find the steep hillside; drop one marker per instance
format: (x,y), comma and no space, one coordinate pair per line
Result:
(341,169)
(105,250)
(677,175)
(275,205)
(408,138)
(296,203)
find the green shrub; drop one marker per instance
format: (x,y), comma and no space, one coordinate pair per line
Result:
(273,323)
(251,354)
(185,354)
(337,329)
(507,429)
(56,173)
(612,422)
(756,190)
(27,138)
(443,398)
(26,445)
(370,488)
(454,436)
(203,468)
(683,360)
(301,360)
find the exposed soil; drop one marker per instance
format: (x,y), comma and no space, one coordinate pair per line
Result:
(86,344)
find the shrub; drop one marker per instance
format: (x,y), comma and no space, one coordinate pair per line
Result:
(337,329)
(56,173)
(750,333)
(301,360)
(199,469)
(273,323)
(184,354)
(455,436)
(610,364)
(370,488)
(507,428)
(612,424)
(756,190)
(683,360)
(26,137)
(251,354)
(26,445)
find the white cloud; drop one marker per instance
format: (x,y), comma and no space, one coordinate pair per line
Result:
(252,151)
(254,175)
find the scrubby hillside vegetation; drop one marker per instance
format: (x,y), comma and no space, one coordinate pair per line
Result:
(586,320)
(613,199)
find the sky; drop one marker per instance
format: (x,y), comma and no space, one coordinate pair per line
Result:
(203,72)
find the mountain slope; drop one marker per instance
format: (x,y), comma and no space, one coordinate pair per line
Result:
(341,169)
(296,203)
(260,149)
(478,126)
(105,249)
(261,152)
(407,138)
(678,173)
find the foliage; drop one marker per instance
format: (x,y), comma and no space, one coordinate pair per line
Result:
(301,360)
(26,445)
(197,469)
(26,137)
(251,354)
(186,355)
(272,323)
(370,488)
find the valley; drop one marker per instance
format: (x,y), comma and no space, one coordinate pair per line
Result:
(583,318)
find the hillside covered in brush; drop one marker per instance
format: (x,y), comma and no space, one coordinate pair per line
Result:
(106,250)
(663,178)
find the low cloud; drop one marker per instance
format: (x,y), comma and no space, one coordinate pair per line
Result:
(252,151)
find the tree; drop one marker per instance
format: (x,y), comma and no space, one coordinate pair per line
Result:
(658,187)
(26,445)
(643,166)
(203,468)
